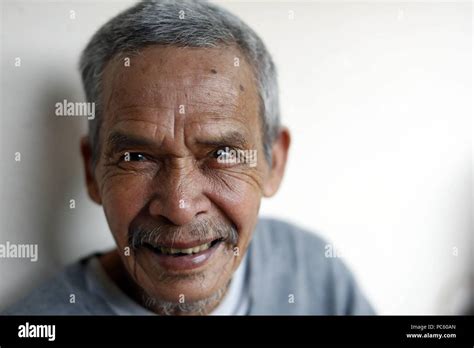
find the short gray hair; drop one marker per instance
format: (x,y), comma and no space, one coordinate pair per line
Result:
(159,23)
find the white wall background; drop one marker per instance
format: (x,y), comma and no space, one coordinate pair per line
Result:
(377,96)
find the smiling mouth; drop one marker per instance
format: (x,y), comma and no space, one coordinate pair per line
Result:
(177,252)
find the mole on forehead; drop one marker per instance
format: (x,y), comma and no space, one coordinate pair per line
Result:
(158,77)
(170,90)
(178,63)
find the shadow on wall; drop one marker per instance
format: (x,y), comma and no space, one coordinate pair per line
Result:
(457,297)
(48,179)
(65,177)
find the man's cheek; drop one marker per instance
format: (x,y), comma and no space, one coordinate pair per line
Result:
(121,205)
(240,205)
(241,208)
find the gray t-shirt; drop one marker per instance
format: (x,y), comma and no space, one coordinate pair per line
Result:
(288,274)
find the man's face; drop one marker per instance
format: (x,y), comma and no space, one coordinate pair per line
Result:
(169,117)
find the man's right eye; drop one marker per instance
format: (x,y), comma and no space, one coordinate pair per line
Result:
(133,157)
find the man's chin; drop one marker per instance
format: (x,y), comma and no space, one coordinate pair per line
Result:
(186,278)
(200,305)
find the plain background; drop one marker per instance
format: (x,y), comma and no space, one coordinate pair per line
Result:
(377,96)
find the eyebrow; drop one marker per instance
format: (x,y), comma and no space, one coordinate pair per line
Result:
(118,141)
(233,138)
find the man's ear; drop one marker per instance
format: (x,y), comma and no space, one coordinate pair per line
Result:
(92,187)
(279,156)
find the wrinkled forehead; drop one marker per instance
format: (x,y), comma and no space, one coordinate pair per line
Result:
(198,81)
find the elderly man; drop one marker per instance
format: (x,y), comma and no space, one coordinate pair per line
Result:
(185,143)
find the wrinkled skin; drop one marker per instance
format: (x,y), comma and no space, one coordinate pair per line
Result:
(172,176)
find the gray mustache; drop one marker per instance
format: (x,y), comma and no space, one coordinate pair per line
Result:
(201,230)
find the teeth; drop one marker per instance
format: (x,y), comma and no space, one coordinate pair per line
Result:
(188,251)
(204,246)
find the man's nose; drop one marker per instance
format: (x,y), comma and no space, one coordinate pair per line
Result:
(179,195)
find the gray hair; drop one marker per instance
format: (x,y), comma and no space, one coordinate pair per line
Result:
(159,23)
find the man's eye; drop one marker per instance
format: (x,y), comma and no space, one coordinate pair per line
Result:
(224,154)
(221,152)
(133,157)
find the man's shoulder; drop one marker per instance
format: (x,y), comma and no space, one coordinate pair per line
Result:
(277,237)
(278,231)
(296,262)
(65,293)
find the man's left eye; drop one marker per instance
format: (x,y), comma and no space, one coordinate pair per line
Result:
(133,157)
(223,153)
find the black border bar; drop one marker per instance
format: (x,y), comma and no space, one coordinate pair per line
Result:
(137,330)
